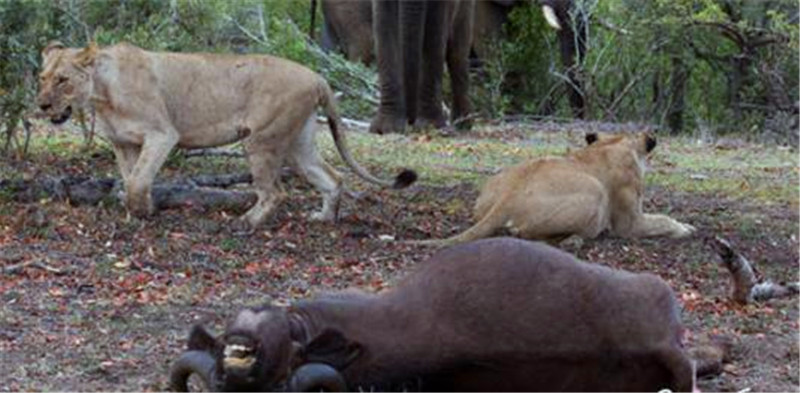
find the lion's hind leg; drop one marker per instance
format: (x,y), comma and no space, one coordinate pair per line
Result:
(557,217)
(305,158)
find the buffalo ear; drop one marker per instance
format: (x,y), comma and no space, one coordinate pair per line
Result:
(333,348)
(201,340)
(591,138)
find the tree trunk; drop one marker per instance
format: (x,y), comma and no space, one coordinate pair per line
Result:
(677,103)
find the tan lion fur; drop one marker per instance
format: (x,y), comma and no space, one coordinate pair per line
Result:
(150,102)
(587,191)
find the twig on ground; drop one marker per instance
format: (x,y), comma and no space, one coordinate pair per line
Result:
(18,267)
(746,288)
(481,171)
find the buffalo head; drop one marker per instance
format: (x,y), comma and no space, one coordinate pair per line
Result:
(261,350)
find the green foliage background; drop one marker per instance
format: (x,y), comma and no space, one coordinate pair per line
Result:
(673,66)
(637,47)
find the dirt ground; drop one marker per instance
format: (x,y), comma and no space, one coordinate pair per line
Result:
(111,299)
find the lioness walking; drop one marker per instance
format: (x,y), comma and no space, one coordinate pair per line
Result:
(150,102)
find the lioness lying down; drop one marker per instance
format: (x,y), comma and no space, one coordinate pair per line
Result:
(150,102)
(583,193)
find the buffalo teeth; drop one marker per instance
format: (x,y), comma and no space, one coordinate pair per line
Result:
(234,348)
(237,362)
(238,356)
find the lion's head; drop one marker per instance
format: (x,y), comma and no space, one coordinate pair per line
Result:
(65,80)
(642,143)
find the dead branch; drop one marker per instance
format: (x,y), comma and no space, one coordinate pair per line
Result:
(746,288)
(18,267)
(478,170)
(610,109)
(171,196)
(610,26)
(222,181)
(768,290)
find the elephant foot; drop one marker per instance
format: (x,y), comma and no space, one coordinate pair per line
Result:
(386,124)
(437,122)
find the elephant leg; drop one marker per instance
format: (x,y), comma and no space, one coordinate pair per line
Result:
(391,116)
(432,67)
(458,51)
(328,40)
(414,37)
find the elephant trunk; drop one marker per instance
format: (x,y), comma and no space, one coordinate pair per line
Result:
(315,377)
(193,362)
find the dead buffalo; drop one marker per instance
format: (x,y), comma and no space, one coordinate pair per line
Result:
(497,314)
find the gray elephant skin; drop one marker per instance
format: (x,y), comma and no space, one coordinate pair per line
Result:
(348,28)
(498,314)
(412,41)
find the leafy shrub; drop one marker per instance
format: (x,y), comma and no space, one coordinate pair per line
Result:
(721,65)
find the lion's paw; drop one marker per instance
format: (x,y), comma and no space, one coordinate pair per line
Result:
(141,209)
(684,230)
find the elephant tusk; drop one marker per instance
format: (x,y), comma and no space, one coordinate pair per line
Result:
(550,17)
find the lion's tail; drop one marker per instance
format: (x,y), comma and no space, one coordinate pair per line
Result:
(402,180)
(487,226)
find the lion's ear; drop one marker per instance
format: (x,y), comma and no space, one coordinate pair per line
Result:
(86,57)
(51,46)
(591,138)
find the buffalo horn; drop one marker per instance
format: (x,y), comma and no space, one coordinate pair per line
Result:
(315,377)
(193,362)
(550,17)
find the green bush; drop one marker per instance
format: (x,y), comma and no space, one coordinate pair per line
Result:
(675,67)
(723,65)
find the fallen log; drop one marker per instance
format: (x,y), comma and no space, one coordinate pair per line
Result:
(745,287)
(195,191)
(181,196)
